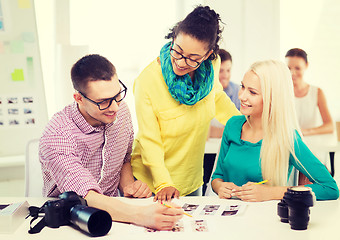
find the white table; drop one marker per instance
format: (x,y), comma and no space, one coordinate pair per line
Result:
(324,143)
(258,221)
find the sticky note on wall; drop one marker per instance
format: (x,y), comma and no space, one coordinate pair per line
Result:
(24,3)
(18,75)
(17,46)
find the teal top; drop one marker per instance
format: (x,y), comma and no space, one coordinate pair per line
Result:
(239,162)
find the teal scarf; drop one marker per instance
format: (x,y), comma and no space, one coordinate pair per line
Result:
(181,88)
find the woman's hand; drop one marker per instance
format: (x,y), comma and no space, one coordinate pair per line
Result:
(224,189)
(251,192)
(166,194)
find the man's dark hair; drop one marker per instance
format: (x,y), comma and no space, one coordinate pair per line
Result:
(203,24)
(224,55)
(297,52)
(91,67)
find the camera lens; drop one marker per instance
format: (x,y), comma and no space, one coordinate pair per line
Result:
(282,211)
(299,199)
(91,220)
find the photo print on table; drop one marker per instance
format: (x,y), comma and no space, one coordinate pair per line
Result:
(210,209)
(199,225)
(189,208)
(230,210)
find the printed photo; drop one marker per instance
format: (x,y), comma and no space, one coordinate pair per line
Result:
(189,208)
(210,209)
(1,122)
(13,111)
(13,122)
(27,99)
(200,226)
(179,227)
(27,111)
(12,100)
(230,210)
(30,121)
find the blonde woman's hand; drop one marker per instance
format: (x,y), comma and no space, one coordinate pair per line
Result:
(225,189)
(251,192)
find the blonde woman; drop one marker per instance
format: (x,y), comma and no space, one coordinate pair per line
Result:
(265,143)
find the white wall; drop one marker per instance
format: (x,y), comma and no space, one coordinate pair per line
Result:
(251,31)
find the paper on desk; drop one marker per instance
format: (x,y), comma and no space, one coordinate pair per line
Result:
(12,216)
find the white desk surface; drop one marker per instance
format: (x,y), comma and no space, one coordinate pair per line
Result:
(258,221)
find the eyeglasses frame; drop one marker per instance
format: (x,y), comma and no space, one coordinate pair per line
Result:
(185,58)
(111,99)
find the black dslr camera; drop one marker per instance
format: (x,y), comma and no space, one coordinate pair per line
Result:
(73,209)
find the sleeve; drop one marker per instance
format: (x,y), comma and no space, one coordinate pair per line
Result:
(225,108)
(58,156)
(219,173)
(324,186)
(127,157)
(149,137)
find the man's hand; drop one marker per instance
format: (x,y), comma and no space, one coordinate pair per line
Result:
(159,217)
(137,189)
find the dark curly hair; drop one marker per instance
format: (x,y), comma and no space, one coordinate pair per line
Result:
(203,24)
(91,67)
(297,52)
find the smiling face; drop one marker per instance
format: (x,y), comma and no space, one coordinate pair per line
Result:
(250,95)
(99,91)
(191,48)
(297,66)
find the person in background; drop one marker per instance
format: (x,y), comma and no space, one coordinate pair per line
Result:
(176,96)
(230,88)
(310,101)
(265,143)
(86,148)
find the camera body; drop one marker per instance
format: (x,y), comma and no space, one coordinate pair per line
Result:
(294,207)
(72,209)
(58,212)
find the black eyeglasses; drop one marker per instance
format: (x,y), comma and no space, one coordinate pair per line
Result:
(178,56)
(105,104)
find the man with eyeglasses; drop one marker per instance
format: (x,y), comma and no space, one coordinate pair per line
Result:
(86,147)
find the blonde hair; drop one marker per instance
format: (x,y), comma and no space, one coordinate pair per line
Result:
(279,120)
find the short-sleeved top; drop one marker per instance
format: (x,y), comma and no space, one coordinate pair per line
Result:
(239,162)
(77,157)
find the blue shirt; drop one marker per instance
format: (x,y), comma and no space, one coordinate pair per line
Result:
(239,162)
(232,92)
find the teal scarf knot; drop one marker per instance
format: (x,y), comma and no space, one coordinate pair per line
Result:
(181,88)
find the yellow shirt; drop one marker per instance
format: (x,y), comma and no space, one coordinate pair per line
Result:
(169,147)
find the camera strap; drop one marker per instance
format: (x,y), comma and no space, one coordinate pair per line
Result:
(34,212)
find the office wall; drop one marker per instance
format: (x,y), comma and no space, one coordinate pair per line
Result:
(23,112)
